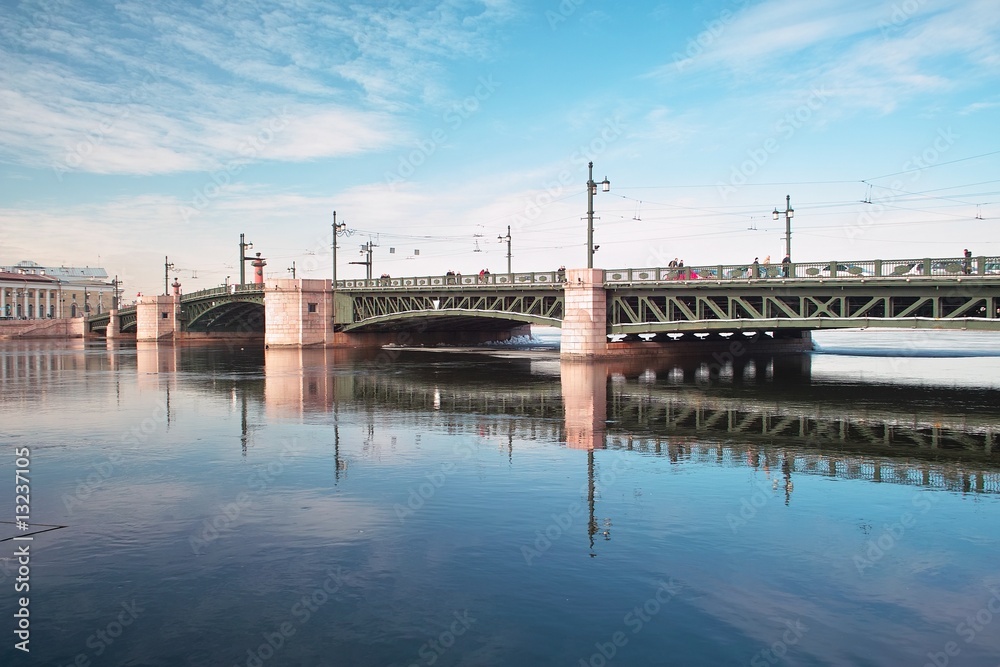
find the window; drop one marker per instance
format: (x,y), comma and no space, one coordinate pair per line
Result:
(163,315)
(312,307)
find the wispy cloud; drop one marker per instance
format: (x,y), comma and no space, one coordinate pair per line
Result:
(135,88)
(864,54)
(979,106)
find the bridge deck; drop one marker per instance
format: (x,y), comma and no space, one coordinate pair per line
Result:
(948,293)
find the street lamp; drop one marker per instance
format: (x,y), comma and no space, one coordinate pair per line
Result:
(591,191)
(501,239)
(366,251)
(789,213)
(338,230)
(243,259)
(115,285)
(167,265)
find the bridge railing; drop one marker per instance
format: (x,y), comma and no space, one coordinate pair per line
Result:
(222,290)
(869,268)
(458,280)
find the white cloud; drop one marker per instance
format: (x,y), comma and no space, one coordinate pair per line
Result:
(140,89)
(867,55)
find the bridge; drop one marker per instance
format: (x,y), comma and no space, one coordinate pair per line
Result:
(649,308)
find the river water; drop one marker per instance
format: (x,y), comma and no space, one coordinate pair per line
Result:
(223,506)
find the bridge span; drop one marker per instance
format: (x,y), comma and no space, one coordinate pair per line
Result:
(651,309)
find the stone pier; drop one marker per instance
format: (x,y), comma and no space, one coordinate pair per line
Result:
(585,323)
(156,318)
(297,313)
(114,324)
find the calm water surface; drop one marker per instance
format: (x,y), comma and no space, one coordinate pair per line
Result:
(231,507)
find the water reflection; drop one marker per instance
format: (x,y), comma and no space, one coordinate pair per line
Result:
(748,482)
(772,417)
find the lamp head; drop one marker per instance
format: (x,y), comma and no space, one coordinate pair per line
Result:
(774,214)
(606,185)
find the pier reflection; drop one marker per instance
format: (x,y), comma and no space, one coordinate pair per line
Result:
(763,412)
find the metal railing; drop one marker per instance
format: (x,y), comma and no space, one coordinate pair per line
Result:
(472,280)
(869,268)
(223,290)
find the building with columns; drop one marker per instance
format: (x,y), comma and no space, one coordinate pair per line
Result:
(31,291)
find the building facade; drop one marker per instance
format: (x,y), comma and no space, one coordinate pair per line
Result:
(31,291)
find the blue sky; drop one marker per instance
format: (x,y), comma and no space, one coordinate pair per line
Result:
(137,130)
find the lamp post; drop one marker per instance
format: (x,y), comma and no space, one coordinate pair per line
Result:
(501,239)
(243,258)
(166,275)
(591,191)
(115,285)
(789,213)
(366,251)
(338,230)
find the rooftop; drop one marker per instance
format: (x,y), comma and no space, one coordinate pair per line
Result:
(59,272)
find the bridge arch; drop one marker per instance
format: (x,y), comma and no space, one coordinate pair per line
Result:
(244,315)
(448,319)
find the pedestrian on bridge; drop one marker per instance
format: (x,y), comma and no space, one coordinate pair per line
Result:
(755,268)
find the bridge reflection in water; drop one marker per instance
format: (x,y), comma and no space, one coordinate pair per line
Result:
(758,411)
(762,412)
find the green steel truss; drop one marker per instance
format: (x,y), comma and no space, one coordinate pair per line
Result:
(229,307)
(219,309)
(969,303)
(388,310)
